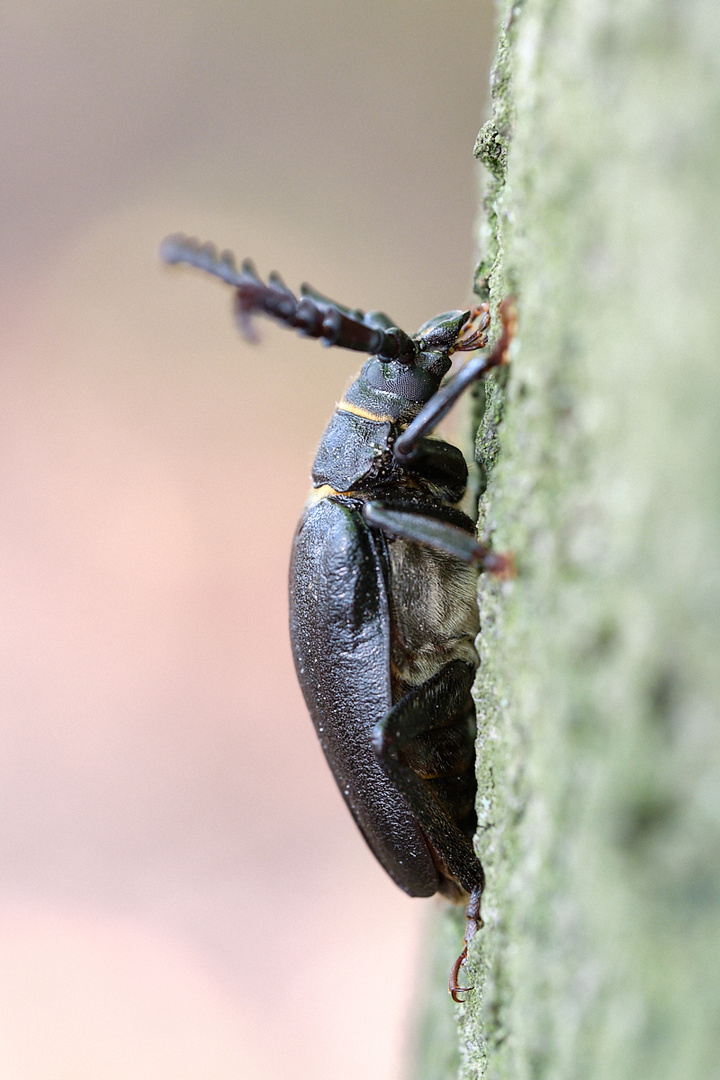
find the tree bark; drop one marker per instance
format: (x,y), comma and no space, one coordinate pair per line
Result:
(598,747)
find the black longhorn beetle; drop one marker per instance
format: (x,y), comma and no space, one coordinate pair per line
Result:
(383,608)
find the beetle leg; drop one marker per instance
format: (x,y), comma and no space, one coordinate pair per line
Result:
(420,755)
(442,465)
(436,534)
(476,368)
(474,922)
(425,746)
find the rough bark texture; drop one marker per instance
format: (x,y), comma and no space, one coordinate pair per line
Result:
(599,762)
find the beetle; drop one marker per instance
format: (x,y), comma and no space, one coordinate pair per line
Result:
(383,608)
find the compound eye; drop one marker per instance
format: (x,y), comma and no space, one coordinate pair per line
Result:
(413,382)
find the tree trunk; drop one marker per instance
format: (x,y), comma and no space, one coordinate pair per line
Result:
(598,694)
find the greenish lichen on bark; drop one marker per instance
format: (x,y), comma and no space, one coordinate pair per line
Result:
(599,741)
(491,147)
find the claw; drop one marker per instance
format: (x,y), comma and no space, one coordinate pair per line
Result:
(500,565)
(476,337)
(454,976)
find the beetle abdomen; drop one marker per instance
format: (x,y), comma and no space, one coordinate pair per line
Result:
(434,613)
(340,629)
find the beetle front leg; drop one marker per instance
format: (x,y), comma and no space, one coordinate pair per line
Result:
(440,404)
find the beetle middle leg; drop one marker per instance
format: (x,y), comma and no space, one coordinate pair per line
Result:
(437,534)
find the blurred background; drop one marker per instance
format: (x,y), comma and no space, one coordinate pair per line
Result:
(184,894)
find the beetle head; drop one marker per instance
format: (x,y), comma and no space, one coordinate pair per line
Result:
(413,378)
(416,375)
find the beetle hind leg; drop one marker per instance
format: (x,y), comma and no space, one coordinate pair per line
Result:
(425,745)
(473,923)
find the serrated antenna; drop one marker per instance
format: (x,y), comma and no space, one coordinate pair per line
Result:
(311,315)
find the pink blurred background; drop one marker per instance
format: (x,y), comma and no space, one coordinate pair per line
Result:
(183,893)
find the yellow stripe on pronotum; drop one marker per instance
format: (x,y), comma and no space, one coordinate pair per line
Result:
(325,491)
(356,410)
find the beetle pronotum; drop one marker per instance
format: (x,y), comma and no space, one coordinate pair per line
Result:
(383,609)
